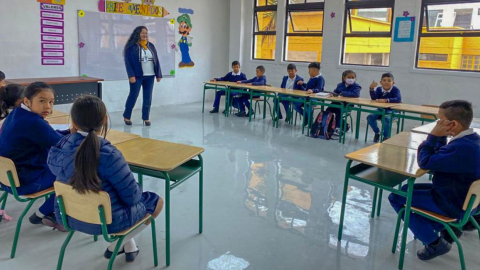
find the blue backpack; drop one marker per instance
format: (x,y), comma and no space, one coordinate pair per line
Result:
(324,126)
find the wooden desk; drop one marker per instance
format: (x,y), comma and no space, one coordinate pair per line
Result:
(370,103)
(67,89)
(409,140)
(416,109)
(427,129)
(56,113)
(116,137)
(165,160)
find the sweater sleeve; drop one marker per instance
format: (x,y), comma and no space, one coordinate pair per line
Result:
(248,81)
(397,97)
(338,90)
(243,76)
(284,82)
(43,134)
(319,85)
(353,91)
(261,81)
(374,93)
(122,180)
(128,63)
(222,79)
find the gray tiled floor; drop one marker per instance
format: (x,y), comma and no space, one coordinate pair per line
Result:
(271,202)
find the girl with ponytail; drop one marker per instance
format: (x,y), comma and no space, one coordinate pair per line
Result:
(89,163)
(10,97)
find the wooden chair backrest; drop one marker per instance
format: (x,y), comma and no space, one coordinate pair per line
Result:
(84,207)
(429,116)
(474,190)
(7,165)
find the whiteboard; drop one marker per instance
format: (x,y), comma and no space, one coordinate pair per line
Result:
(102,37)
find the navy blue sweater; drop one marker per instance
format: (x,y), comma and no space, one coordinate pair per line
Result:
(315,84)
(392,96)
(455,167)
(232,78)
(257,80)
(345,90)
(26,139)
(133,61)
(295,84)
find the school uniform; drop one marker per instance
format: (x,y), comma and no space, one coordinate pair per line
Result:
(317,85)
(392,96)
(292,84)
(244,100)
(129,203)
(344,90)
(26,139)
(3,117)
(455,167)
(230,77)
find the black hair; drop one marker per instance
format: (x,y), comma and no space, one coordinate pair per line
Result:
(235,63)
(134,38)
(348,72)
(291,66)
(36,88)
(89,115)
(459,110)
(314,65)
(2,76)
(9,95)
(388,75)
(261,68)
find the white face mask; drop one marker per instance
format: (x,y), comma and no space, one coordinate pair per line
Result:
(350,81)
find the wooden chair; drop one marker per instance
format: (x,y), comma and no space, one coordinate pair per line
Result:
(9,178)
(94,208)
(471,202)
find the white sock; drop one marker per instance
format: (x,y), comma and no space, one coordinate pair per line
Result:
(39,214)
(130,246)
(128,242)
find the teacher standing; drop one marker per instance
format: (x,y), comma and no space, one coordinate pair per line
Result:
(141,61)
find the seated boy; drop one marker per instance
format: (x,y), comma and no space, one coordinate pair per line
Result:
(387,93)
(316,84)
(233,76)
(455,167)
(244,100)
(289,82)
(2,79)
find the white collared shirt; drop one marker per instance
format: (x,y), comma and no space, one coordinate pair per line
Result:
(85,134)
(384,92)
(23,106)
(463,134)
(236,74)
(318,75)
(290,83)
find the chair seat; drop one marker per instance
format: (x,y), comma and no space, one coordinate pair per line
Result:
(127,231)
(435,215)
(257,99)
(39,194)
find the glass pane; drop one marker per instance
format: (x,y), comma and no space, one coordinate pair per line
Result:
(305,1)
(266,21)
(305,22)
(460,51)
(433,57)
(264,47)
(370,20)
(454,17)
(303,49)
(367,51)
(262,3)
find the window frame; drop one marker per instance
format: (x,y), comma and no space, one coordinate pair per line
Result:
(256,9)
(365,5)
(441,33)
(305,7)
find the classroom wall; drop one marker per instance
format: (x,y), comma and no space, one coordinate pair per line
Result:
(417,86)
(20,48)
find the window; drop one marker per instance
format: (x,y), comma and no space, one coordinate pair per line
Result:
(367,32)
(264,29)
(303,31)
(450,31)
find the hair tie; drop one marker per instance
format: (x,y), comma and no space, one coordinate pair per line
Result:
(91,130)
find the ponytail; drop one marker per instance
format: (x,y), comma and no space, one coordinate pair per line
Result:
(9,96)
(3,104)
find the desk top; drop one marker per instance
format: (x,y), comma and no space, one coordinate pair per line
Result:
(57,114)
(415,109)
(116,137)
(157,155)
(53,81)
(392,158)
(370,103)
(427,129)
(407,139)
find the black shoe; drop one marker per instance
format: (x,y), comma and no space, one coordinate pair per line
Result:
(432,251)
(241,114)
(445,235)
(108,254)
(215,110)
(385,138)
(469,225)
(147,123)
(223,112)
(287,119)
(34,219)
(248,113)
(348,128)
(376,139)
(128,122)
(130,256)
(51,221)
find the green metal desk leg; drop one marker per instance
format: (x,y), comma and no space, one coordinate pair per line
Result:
(406,222)
(357,128)
(167,217)
(379,204)
(200,194)
(374,203)
(227,101)
(344,201)
(264,107)
(250,108)
(383,126)
(203,106)
(308,118)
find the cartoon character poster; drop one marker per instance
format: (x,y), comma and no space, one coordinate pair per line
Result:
(185,26)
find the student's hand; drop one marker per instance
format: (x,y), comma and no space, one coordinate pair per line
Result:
(381,101)
(249,84)
(309,91)
(72,130)
(373,85)
(132,80)
(442,129)
(159,79)
(300,82)
(213,80)
(239,82)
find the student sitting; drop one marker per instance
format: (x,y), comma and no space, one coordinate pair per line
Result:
(233,76)
(89,163)
(244,100)
(316,84)
(347,88)
(387,93)
(26,139)
(2,79)
(455,166)
(289,82)
(10,97)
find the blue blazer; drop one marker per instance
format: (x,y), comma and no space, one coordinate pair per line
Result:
(232,78)
(117,181)
(295,85)
(133,61)
(345,90)
(316,84)
(392,96)
(257,81)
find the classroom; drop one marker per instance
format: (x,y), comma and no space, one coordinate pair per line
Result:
(240,134)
